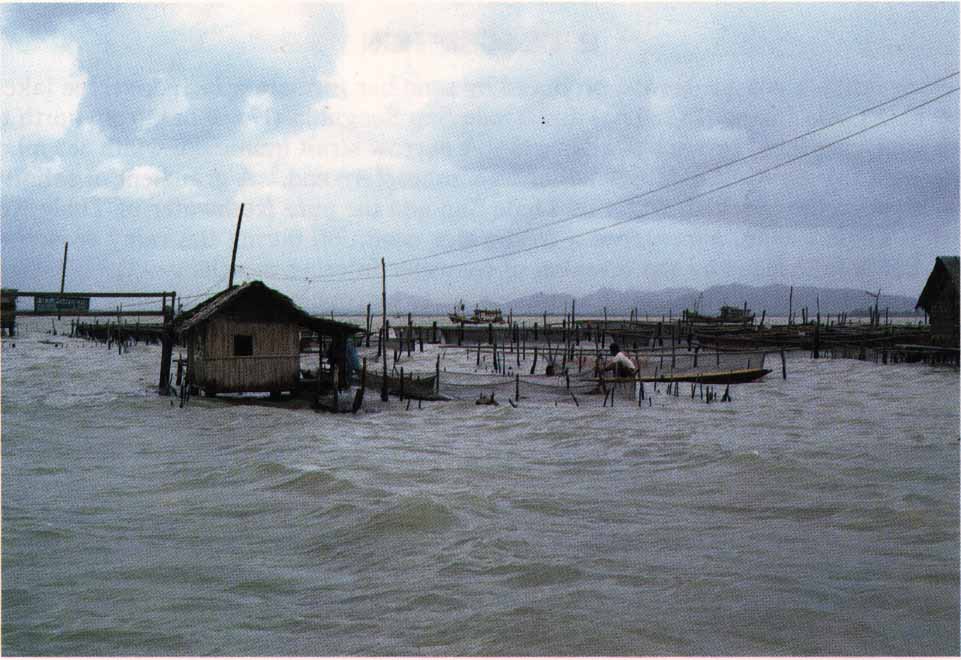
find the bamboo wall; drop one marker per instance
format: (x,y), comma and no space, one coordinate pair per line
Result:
(944,318)
(274,365)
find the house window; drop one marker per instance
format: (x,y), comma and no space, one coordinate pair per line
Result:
(243,345)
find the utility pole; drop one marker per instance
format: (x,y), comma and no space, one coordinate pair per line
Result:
(233,257)
(63,277)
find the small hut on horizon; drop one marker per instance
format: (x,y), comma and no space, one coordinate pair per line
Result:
(247,339)
(940,299)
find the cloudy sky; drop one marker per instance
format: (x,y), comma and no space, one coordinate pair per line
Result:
(361,131)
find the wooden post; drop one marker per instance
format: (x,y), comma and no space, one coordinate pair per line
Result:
(359,397)
(437,375)
(534,365)
(783,366)
(63,277)
(320,365)
(233,256)
(368,325)
(790,307)
(166,351)
(604,332)
(401,383)
(334,378)
(433,333)
(383,306)
(410,333)
(564,357)
(817,329)
(517,387)
(673,356)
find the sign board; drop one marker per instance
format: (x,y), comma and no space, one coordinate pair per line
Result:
(58,304)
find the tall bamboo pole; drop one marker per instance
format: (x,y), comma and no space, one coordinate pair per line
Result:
(233,256)
(63,277)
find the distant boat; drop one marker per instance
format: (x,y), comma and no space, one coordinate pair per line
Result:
(728,315)
(479,316)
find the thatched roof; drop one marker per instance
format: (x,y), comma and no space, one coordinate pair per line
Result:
(255,301)
(945,272)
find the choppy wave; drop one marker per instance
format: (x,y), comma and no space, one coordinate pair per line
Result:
(813,515)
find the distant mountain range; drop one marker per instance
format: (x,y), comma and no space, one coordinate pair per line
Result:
(772,298)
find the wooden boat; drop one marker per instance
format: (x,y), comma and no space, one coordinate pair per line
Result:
(480,316)
(707,377)
(728,315)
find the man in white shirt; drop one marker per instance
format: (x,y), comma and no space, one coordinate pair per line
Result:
(619,363)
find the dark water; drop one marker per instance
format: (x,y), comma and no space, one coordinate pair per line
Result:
(817,515)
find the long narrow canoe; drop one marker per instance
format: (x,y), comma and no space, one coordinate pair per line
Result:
(707,377)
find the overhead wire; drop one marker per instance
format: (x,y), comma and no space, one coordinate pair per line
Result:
(667,207)
(137,305)
(332,277)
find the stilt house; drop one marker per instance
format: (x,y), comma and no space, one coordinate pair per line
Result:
(247,339)
(940,299)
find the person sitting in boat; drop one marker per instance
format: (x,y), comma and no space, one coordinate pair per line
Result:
(619,363)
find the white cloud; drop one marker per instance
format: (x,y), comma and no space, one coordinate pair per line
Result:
(41,86)
(168,105)
(39,172)
(258,112)
(244,21)
(394,65)
(33,172)
(145,182)
(141,182)
(395,61)
(111,166)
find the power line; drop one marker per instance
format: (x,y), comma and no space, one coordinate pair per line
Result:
(663,208)
(331,277)
(139,305)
